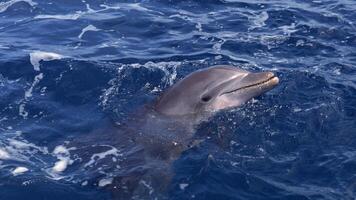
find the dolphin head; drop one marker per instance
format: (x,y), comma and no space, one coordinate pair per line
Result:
(213,89)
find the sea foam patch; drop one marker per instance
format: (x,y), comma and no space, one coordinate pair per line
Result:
(105,181)
(37,56)
(19,170)
(37,79)
(258,20)
(86,29)
(73,16)
(98,156)
(63,156)
(4,155)
(21,150)
(182,186)
(25,145)
(61,165)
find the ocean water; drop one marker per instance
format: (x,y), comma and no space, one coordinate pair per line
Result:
(68,67)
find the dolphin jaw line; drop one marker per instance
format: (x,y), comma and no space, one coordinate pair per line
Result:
(259,84)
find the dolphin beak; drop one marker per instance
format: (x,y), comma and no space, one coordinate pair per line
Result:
(256,79)
(263,80)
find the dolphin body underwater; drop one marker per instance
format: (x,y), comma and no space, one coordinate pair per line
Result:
(156,137)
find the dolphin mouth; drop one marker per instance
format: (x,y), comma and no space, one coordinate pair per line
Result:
(268,82)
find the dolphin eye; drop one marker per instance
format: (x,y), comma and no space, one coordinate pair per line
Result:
(206,98)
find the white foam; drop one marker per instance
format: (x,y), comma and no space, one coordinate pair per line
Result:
(4,155)
(63,156)
(272,41)
(5,5)
(337,72)
(110,7)
(217,46)
(22,112)
(182,186)
(24,145)
(300,43)
(169,69)
(288,29)
(86,29)
(90,10)
(218,57)
(169,76)
(61,165)
(36,80)
(20,144)
(28,94)
(199,27)
(74,16)
(105,181)
(148,186)
(315,107)
(99,156)
(297,109)
(37,56)
(61,150)
(128,6)
(18,149)
(259,19)
(136,6)
(19,170)
(26,182)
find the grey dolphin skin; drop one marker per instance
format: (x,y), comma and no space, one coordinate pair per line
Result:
(158,136)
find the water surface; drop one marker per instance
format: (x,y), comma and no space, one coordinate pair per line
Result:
(66,67)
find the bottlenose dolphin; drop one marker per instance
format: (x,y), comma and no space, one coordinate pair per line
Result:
(157,136)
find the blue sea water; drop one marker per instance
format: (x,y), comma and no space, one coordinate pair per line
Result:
(66,67)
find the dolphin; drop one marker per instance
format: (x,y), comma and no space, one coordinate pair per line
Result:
(158,135)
